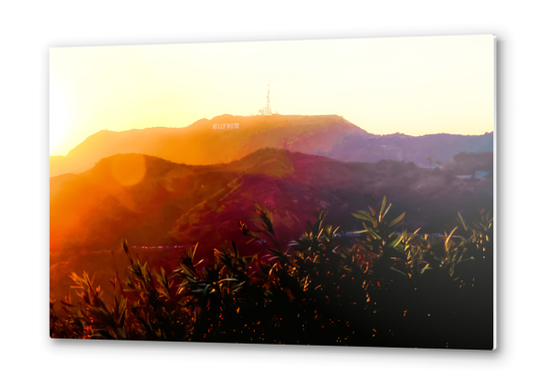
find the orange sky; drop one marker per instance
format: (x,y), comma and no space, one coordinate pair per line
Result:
(415,85)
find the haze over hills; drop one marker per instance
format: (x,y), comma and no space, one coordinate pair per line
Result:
(183,204)
(443,147)
(218,141)
(211,141)
(182,186)
(155,202)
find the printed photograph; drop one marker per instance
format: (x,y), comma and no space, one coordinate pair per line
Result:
(321,192)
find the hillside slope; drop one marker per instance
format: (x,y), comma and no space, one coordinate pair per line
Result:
(158,203)
(212,142)
(181,204)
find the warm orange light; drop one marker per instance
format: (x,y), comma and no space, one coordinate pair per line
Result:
(415,86)
(128,169)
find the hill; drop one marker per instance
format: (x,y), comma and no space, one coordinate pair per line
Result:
(153,202)
(211,141)
(400,147)
(219,141)
(181,204)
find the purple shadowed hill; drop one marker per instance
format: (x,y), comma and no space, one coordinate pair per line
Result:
(228,138)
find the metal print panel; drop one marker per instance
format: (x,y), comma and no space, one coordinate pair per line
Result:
(332,192)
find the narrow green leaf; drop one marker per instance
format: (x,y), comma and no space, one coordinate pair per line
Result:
(375,235)
(396,241)
(386,212)
(398,219)
(401,272)
(362,215)
(357,232)
(462,221)
(450,236)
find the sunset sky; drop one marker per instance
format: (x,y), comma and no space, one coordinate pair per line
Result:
(415,85)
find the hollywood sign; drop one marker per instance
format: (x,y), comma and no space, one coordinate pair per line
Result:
(226,126)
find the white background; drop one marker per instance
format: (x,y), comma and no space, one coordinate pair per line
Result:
(29,29)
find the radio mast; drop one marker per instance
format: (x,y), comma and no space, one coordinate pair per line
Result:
(268,107)
(267,110)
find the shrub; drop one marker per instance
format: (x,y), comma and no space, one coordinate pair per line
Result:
(382,287)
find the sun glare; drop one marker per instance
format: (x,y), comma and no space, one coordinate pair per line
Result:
(414,86)
(128,169)
(61,118)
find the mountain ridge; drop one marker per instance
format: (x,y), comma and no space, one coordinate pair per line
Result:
(198,143)
(178,203)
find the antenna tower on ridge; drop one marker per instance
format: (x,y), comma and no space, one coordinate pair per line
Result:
(267,110)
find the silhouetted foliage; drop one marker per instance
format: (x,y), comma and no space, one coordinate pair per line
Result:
(379,286)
